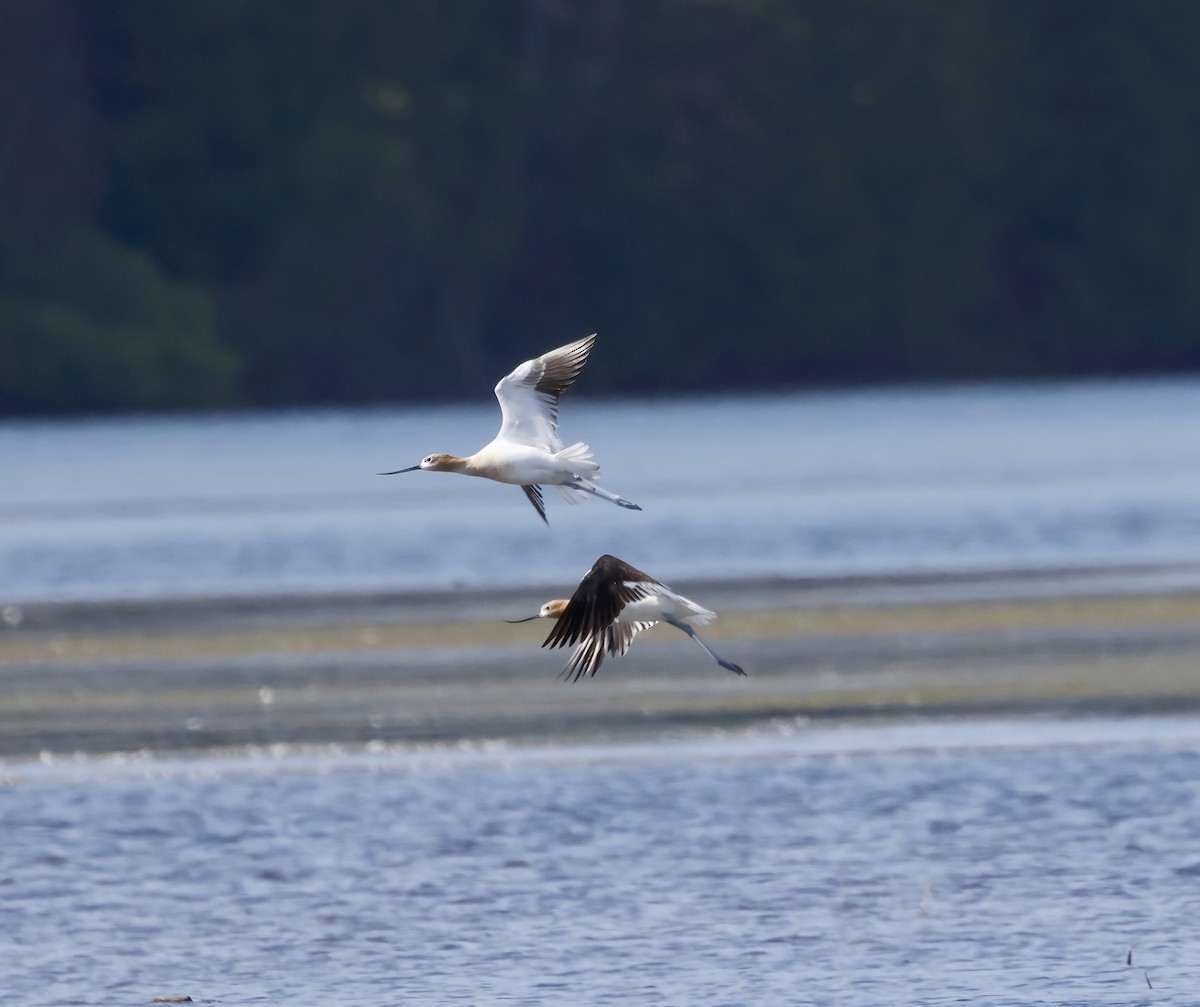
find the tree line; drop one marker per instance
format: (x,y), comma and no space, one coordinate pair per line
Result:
(283,202)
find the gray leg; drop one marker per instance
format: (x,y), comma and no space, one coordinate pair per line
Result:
(586,487)
(727,665)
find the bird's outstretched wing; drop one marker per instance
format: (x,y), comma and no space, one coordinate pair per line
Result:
(589,655)
(620,636)
(606,588)
(529,395)
(586,659)
(590,618)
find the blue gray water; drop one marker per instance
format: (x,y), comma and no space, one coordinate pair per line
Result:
(989,863)
(806,485)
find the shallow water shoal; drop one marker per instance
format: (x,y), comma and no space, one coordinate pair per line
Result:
(392,671)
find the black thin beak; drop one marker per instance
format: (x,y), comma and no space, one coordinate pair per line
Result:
(411,468)
(530,619)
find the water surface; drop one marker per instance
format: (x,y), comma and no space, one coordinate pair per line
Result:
(805,485)
(983,862)
(991,861)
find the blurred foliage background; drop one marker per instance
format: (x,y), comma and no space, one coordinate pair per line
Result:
(226,203)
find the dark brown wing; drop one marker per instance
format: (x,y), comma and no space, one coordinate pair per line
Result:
(586,660)
(608,587)
(620,636)
(589,655)
(535,497)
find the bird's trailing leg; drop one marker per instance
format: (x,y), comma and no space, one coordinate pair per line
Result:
(584,486)
(727,665)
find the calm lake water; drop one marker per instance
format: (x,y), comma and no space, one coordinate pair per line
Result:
(988,863)
(807,485)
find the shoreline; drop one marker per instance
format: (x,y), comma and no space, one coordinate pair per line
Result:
(805,739)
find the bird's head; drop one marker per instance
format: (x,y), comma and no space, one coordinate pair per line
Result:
(551,610)
(431,463)
(439,463)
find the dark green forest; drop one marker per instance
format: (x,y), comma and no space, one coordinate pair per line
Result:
(273,202)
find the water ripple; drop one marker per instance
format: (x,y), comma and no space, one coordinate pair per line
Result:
(885,870)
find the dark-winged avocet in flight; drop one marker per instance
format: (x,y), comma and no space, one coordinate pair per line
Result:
(612,604)
(527,451)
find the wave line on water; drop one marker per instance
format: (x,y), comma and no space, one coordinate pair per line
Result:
(786,739)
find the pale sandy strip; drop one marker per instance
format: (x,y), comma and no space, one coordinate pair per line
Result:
(17,648)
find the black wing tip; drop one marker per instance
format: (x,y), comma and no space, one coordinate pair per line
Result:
(561,366)
(572,674)
(583,663)
(534,495)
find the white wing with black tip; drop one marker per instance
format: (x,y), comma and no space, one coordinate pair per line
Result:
(528,396)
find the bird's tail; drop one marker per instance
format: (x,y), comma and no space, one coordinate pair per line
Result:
(696,614)
(699,616)
(579,457)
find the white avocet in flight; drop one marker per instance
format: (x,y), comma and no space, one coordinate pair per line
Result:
(527,451)
(612,604)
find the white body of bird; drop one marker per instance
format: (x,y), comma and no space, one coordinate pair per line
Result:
(525,465)
(664,605)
